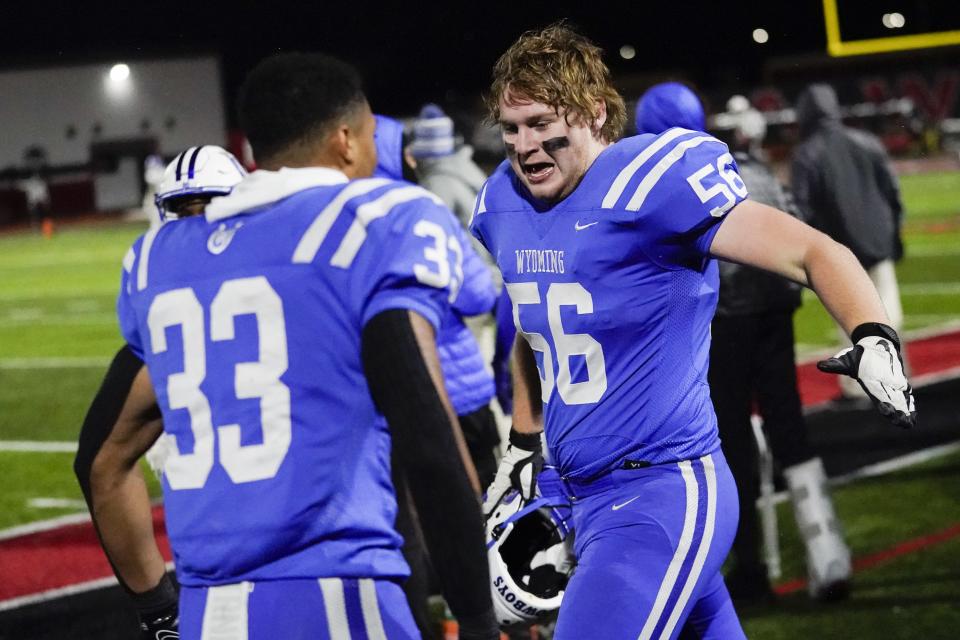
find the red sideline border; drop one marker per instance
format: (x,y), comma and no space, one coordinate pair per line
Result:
(46,563)
(881,557)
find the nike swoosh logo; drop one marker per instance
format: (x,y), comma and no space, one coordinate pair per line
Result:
(581,227)
(617,507)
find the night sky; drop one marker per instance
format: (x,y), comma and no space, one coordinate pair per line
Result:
(412,52)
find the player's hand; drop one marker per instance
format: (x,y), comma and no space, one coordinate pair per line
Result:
(518,470)
(160,625)
(875,362)
(158,611)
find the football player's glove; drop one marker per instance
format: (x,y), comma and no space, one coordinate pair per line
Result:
(158,611)
(161,625)
(874,361)
(158,454)
(518,470)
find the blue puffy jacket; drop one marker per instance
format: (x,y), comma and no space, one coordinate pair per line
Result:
(469,382)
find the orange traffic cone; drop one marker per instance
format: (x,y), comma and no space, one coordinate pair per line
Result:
(46,228)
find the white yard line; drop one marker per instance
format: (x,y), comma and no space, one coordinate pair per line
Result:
(53,594)
(932,251)
(934,331)
(21,314)
(52,523)
(38,446)
(926,379)
(66,294)
(79,362)
(882,468)
(930,289)
(56,503)
(807,353)
(43,525)
(59,320)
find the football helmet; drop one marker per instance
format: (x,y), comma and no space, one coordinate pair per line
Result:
(530,552)
(203,172)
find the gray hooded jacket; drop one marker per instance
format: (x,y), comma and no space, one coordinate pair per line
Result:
(843,182)
(455,178)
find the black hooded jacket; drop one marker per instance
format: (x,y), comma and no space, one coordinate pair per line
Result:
(843,182)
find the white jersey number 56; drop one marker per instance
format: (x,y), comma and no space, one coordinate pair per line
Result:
(566,344)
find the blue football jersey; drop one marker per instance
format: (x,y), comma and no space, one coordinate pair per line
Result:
(614,290)
(249,320)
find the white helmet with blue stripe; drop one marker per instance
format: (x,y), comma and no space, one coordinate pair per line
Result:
(199,173)
(530,553)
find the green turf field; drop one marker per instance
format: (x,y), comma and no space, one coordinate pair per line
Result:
(58,332)
(929,274)
(911,596)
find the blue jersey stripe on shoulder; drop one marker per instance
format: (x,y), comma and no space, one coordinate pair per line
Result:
(629,171)
(653,176)
(317,232)
(370,211)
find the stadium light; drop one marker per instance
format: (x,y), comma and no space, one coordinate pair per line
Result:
(627,52)
(760,36)
(117,83)
(894,20)
(119,73)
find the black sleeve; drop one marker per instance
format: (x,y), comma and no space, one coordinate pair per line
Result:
(423,439)
(103,413)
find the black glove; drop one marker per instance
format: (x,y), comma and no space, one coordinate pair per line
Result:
(875,362)
(158,611)
(519,468)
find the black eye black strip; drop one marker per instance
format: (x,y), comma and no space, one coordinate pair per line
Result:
(555,144)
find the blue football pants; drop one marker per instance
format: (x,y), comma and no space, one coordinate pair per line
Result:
(324,609)
(650,543)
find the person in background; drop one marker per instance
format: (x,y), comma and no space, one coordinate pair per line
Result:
(441,168)
(34,186)
(845,186)
(194,178)
(318,359)
(752,363)
(469,385)
(153,171)
(607,248)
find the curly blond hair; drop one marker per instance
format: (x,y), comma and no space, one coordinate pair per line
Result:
(558,67)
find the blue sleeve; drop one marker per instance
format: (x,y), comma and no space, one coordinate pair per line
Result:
(477,295)
(415,267)
(686,204)
(126,316)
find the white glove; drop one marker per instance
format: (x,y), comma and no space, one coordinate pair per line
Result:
(158,454)
(518,470)
(874,361)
